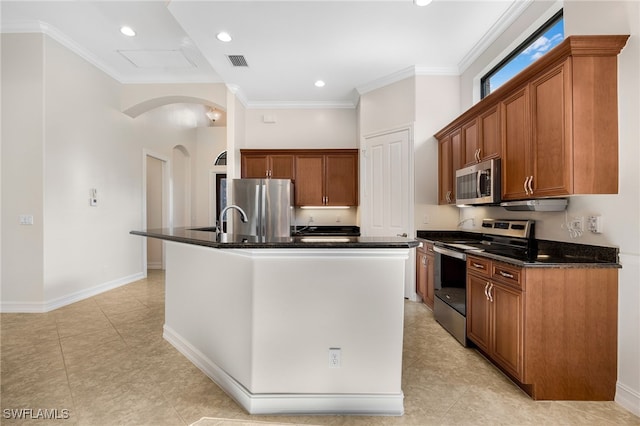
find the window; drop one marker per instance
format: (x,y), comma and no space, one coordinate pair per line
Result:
(221,160)
(544,39)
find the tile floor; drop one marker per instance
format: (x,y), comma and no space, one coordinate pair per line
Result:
(103,361)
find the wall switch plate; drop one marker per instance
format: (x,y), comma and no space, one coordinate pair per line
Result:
(335,358)
(594,224)
(26,219)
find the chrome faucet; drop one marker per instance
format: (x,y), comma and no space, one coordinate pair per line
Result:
(243,215)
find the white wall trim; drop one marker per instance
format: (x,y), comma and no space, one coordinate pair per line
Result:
(628,398)
(361,404)
(29,307)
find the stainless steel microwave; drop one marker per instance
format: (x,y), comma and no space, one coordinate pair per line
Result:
(479,183)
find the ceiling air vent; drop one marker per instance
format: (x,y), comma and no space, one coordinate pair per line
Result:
(238,60)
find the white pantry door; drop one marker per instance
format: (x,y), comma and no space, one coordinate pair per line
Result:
(387,189)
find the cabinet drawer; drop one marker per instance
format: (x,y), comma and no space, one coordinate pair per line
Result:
(478,266)
(507,274)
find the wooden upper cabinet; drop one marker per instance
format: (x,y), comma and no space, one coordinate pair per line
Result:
(490,134)
(341,179)
(470,143)
(551,137)
(320,177)
(327,179)
(309,187)
(265,164)
(449,160)
(481,137)
(557,123)
(516,150)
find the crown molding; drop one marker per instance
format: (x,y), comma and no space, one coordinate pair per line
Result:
(302,105)
(508,17)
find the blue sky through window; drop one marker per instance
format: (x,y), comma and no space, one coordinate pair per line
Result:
(548,40)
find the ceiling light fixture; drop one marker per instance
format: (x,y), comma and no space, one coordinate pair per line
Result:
(223,36)
(213,114)
(319,83)
(421,2)
(128,31)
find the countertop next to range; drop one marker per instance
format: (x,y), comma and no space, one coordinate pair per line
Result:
(557,254)
(207,237)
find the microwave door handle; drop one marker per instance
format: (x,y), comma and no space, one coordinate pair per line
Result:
(478,189)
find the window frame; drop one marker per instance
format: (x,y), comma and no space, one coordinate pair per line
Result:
(485,79)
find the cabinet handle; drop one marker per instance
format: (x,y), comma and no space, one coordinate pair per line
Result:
(489,292)
(505,274)
(477,265)
(478,155)
(448,197)
(530,185)
(526,191)
(424,260)
(486,287)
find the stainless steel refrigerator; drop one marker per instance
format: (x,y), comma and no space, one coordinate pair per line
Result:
(268,204)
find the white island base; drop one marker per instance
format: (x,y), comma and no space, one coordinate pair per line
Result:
(261,322)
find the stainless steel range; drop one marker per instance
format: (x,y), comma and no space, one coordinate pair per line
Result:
(502,238)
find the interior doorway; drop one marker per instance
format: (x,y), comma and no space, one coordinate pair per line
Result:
(387,191)
(156,207)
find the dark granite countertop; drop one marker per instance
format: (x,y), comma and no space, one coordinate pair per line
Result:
(549,254)
(207,237)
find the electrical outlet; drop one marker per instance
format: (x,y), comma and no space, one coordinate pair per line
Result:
(577,224)
(335,358)
(310,219)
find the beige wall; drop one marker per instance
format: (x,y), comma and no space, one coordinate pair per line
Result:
(63,134)
(301,128)
(22,174)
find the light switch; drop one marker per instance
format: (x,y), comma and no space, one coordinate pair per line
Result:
(26,219)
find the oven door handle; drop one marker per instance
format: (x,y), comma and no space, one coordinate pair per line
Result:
(449,252)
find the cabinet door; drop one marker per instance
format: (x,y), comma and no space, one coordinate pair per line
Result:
(281,166)
(516,156)
(507,337)
(421,274)
(449,160)
(551,136)
(254,166)
(309,185)
(478,312)
(470,143)
(431,277)
(489,133)
(341,180)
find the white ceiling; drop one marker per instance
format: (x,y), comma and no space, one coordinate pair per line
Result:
(354,46)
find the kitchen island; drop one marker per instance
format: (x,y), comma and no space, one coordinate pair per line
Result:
(290,325)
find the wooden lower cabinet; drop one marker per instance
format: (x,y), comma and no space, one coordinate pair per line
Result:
(494,322)
(552,330)
(425,272)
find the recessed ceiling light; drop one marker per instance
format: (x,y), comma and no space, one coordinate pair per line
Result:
(128,31)
(319,83)
(421,2)
(223,36)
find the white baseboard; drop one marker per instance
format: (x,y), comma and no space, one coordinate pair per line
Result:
(628,398)
(361,404)
(34,307)
(154,265)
